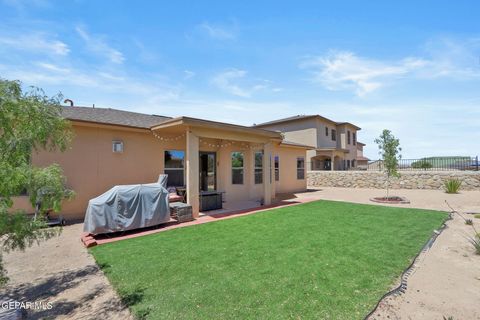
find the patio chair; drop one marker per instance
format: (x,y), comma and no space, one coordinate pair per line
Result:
(173,196)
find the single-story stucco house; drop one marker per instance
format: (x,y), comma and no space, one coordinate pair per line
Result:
(114,147)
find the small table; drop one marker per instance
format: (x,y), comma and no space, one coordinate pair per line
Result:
(182,191)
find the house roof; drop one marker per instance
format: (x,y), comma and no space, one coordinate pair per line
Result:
(189,121)
(295,144)
(303,117)
(363,158)
(112,117)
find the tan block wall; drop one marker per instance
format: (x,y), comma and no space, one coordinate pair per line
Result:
(407,180)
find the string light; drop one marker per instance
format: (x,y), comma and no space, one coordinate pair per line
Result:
(212,145)
(168,139)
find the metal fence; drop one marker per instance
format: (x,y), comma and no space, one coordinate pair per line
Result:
(429,164)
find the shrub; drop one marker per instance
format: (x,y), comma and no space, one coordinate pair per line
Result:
(469,222)
(477,215)
(422,164)
(452,185)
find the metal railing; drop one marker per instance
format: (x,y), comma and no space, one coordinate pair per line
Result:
(429,164)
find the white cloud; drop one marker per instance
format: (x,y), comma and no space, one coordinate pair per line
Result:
(344,70)
(97,44)
(35,43)
(235,82)
(217,32)
(226,81)
(188,74)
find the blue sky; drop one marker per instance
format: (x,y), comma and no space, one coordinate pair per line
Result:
(412,67)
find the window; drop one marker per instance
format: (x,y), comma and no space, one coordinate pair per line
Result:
(353,163)
(300,168)
(237,167)
(348,136)
(258,167)
(326,131)
(174,167)
(117,146)
(277,168)
(334,135)
(354,135)
(348,164)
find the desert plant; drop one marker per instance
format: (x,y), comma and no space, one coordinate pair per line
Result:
(477,216)
(389,149)
(452,185)
(475,241)
(449,318)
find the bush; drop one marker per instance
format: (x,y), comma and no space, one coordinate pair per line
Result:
(422,164)
(469,222)
(452,185)
(477,216)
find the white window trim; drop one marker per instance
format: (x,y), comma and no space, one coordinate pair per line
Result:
(115,143)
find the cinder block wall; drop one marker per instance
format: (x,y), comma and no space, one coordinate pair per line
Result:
(407,180)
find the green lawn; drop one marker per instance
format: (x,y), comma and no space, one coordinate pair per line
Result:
(320,260)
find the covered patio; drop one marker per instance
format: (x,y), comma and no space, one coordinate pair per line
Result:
(329,159)
(232,162)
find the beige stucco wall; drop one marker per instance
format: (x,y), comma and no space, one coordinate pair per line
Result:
(302,131)
(288,181)
(92,168)
(324,141)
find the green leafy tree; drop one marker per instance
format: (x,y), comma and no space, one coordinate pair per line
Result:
(29,122)
(389,149)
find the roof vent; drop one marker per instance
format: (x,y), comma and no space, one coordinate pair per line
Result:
(69,101)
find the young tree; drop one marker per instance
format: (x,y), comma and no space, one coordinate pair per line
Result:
(29,122)
(389,149)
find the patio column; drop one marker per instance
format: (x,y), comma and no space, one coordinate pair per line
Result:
(267,184)
(192,161)
(332,162)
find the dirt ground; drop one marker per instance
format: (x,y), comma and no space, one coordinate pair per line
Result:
(444,282)
(62,272)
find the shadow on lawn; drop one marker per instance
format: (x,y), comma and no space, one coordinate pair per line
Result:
(58,283)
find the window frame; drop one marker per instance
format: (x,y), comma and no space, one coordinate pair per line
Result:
(326,131)
(349,137)
(241,169)
(334,134)
(301,168)
(255,167)
(176,169)
(354,138)
(117,143)
(276,167)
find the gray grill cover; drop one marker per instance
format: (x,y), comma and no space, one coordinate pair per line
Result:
(128,207)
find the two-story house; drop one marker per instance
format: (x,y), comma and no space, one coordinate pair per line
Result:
(335,143)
